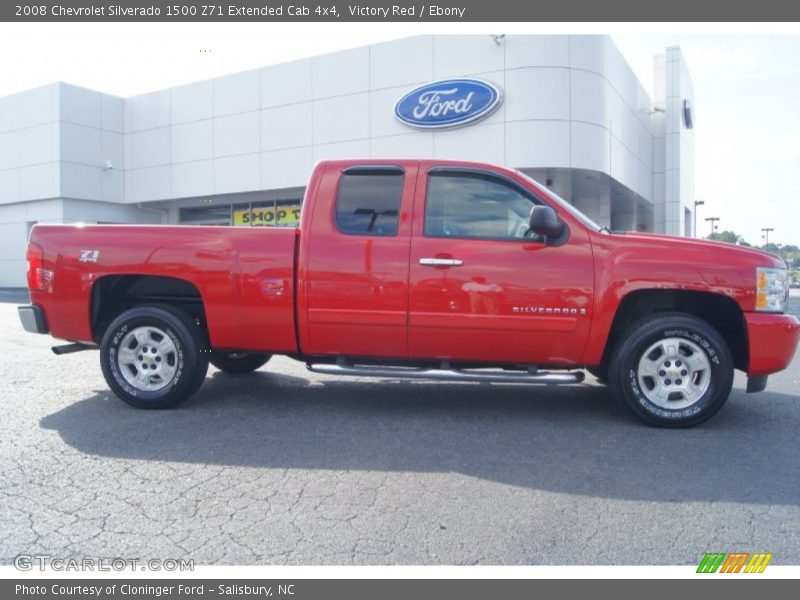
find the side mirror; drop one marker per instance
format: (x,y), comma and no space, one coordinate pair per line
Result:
(545,222)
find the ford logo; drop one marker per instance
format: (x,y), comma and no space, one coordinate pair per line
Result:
(448,103)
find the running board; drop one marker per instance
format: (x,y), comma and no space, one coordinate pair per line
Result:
(445,374)
(70,348)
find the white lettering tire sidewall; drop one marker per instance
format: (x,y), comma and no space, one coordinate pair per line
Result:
(627,385)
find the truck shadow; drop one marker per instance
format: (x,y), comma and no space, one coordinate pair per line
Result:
(573,439)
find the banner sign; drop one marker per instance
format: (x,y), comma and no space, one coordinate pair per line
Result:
(283,216)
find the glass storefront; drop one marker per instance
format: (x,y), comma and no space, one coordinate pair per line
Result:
(260,213)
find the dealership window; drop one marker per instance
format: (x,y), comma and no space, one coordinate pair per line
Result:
(470,205)
(265,213)
(206,215)
(368,202)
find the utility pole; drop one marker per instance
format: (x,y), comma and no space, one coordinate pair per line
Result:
(713,221)
(766,231)
(696,204)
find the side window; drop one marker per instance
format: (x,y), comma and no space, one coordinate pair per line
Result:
(368,202)
(476,206)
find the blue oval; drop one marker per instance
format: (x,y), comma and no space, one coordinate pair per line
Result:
(448,103)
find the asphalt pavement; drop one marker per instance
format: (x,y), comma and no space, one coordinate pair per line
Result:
(287,467)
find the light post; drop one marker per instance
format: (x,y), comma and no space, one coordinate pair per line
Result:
(696,204)
(713,221)
(766,231)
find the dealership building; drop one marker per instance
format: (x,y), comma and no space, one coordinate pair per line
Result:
(237,150)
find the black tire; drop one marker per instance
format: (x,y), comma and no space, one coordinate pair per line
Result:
(631,388)
(599,373)
(189,360)
(239,362)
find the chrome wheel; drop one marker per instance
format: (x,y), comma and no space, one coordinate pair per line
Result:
(147,358)
(674,373)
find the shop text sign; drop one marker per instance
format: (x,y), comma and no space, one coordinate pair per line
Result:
(284,216)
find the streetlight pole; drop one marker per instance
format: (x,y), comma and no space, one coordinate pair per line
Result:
(696,204)
(713,221)
(766,231)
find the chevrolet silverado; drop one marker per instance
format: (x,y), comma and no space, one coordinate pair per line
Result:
(419,269)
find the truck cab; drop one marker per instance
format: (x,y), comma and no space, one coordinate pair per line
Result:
(433,261)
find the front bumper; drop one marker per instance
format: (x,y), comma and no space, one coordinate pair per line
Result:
(773,342)
(32,318)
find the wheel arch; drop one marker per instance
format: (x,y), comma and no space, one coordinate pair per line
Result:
(721,312)
(111,295)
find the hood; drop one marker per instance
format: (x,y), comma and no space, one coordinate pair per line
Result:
(710,247)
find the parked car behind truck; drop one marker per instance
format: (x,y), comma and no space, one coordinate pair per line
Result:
(418,269)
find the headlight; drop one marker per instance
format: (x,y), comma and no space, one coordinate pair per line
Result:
(772,289)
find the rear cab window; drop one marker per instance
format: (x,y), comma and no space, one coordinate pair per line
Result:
(368,201)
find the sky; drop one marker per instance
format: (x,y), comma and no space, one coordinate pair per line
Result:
(747,131)
(747,127)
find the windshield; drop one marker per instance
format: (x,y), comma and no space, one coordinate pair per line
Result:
(563,203)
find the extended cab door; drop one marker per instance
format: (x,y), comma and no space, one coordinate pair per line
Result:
(482,288)
(354,261)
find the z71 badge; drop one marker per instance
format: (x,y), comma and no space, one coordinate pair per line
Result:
(89,256)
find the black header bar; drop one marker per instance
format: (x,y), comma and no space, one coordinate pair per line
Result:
(387,589)
(399,11)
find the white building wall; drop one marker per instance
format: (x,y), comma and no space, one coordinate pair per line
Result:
(29,145)
(54,144)
(570,102)
(29,155)
(610,109)
(659,142)
(679,144)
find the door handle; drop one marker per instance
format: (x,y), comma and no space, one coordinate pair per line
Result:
(441,262)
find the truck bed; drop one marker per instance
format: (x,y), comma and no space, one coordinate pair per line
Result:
(245,276)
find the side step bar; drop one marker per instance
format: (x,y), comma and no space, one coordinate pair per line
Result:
(447,374)
(70,348)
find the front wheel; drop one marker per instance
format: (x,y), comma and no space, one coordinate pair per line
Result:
(673,370)
(599,373)
(239,362)
(154,356)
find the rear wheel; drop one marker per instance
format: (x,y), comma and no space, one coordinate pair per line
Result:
(673,370)
(239,362)
(154,356)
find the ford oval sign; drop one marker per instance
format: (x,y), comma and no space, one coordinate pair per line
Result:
(448,103)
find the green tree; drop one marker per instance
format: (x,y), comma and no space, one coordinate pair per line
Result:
(726,236)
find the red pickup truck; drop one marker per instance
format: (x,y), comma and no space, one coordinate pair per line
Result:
(416,269)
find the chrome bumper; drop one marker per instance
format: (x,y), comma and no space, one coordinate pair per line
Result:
(32,319)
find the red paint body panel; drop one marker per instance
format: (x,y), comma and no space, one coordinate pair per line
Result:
(629,262)
(773,342)
(245,276)
(356,286)
(467,312)
(317,292)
